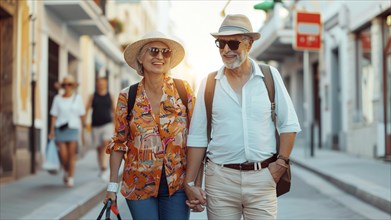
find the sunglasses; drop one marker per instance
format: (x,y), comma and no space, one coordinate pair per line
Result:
(232,44)
(154,51)
(66,84)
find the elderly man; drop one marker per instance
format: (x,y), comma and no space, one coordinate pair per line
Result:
(240,174)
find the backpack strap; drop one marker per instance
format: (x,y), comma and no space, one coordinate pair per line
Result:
(208,98)
(269,82)
(180,87)
(133,92)
(131,99)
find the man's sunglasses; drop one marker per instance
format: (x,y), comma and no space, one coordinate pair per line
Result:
(154,51)
(232,44)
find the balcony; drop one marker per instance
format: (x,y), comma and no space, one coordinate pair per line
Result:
(84,17)
(276,38)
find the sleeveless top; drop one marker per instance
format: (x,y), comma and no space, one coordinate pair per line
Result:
(101,109)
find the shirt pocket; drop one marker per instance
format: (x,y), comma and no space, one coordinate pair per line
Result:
(260,107)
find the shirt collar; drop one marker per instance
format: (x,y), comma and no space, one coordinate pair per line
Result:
(256,70)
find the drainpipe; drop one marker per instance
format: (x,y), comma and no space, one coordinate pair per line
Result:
(33,149)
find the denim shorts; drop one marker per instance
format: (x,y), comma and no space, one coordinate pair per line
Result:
(66,135)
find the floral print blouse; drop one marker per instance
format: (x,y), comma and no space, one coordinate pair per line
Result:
(155,141)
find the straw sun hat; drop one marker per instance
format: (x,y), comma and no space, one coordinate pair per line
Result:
(236,24)
(132,51)
(67,79)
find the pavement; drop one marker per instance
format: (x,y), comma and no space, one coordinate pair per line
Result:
(44,196)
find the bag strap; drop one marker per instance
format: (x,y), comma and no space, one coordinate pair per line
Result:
(131,99)
(180,87)
(208,98)
(269,82)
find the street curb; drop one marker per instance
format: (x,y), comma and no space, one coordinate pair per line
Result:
(82,208)
(365,196)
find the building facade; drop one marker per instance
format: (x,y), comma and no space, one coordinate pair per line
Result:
(345,105)
(41,42)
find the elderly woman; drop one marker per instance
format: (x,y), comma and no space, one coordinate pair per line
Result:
(67,114)
(153,141)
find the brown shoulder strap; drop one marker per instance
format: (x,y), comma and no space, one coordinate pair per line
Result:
(181,90)
(269,82)
(180,87)
(208,98)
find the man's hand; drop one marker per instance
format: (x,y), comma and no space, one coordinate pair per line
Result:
(196,198)
(195,206)
(277,170)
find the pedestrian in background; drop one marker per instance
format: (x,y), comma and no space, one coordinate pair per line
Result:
(102,130)
(153,141)
(241,172)
(67,112)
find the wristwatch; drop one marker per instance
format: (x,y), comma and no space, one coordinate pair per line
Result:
(190,183)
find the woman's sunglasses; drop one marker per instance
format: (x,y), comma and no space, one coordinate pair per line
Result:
(66,84)
(154,51)
(232,44)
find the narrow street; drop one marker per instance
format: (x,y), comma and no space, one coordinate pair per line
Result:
(310,198)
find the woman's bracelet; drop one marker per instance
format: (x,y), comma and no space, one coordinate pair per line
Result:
(112,187)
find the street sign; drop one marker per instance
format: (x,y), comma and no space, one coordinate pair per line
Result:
(308,31)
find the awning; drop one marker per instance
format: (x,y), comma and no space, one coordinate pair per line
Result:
(85,17)
(276,39)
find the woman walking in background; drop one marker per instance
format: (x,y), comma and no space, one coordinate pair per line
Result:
(67,114)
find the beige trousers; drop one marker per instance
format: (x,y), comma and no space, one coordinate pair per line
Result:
(233,193)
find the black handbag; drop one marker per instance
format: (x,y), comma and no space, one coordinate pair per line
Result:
(63,126)
(109,208)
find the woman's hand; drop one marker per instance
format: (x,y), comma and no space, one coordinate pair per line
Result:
(110,195)
(51,135)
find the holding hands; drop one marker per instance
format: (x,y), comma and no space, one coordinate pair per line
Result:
(196,197)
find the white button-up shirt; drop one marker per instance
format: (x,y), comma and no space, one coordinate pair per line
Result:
(242,130)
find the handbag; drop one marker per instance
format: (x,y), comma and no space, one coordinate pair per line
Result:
(52,160)
(108,207)
(284,185)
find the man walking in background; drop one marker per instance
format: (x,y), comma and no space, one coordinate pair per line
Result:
(103,107)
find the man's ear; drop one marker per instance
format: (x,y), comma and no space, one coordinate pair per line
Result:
(250,44)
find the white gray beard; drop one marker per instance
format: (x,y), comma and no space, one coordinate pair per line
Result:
(239,61)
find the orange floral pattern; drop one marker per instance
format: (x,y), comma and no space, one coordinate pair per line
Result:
(154,140)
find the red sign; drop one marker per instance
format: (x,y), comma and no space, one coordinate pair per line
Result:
(308,31)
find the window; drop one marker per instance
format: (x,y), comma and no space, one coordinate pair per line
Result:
(364,77)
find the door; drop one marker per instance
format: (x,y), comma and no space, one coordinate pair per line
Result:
(7,134)
(53,71)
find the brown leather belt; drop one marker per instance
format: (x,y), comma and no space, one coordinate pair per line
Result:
(251,166)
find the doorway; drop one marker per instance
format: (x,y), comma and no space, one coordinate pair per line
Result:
(7,129)
(53,72)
